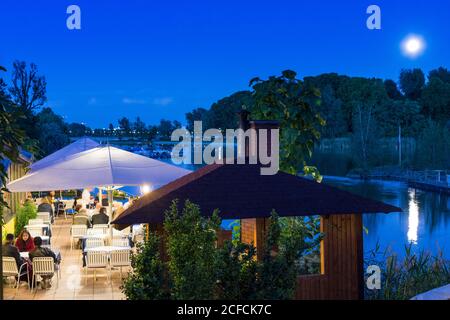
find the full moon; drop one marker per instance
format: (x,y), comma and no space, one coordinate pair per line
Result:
(413,46)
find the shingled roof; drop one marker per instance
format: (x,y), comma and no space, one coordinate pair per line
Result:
(240,191)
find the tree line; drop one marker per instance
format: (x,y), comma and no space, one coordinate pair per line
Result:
(366,111)
(327,106)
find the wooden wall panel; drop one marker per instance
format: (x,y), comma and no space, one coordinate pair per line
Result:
(342,256)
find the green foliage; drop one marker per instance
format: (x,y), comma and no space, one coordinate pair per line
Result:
(198,114)
(433,147)
(302,235)
(412,82)
(367,98)
(278,271)
(236,272)
(146,282)
(197,269)
(288,100)
(404,113)
(402,279)
(53,132)
(12,138)
(223,114)
(392,90)
(24,214)
(436,99)
(191,250)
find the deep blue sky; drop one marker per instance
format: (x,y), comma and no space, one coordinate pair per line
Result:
(163,58)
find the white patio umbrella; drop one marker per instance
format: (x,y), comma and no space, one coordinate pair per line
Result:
(104,166)
(79,145)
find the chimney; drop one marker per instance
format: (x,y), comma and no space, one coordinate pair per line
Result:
(257,125)
(244,124)
(268,125)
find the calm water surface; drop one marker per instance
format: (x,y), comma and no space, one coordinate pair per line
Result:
(424,222)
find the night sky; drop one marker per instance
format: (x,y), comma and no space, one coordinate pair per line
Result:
(161,59)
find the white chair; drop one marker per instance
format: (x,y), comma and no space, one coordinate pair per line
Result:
(38,220)
(83,220)
(120,259)
(35,231)
(10,270)
(122,242)
(96,260)
(45,216)
(69,208)
(94,243)
(93,232)
(44,266)
(76,232)
(103,227)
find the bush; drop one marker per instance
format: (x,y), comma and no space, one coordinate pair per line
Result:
(26,212)
(236,270)
(146,282)
(191,240)
(197,269)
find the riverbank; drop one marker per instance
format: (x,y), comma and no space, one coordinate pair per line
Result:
(428,180)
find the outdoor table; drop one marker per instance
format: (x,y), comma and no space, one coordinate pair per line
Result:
(46,227)
(26,255)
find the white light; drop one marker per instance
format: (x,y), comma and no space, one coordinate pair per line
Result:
(413,46)
(413,218)
(145,189)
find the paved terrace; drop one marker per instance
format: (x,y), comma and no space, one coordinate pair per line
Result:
(72,285)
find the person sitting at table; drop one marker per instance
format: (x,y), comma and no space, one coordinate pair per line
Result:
(39,252)
(45,206)
(82,217)
(9,250)
(24,241)
(101,217)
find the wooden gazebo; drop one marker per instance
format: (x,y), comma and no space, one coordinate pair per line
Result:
(241,192)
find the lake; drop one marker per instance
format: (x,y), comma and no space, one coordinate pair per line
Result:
(425,222)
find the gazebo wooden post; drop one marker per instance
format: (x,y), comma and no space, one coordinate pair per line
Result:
(254,231)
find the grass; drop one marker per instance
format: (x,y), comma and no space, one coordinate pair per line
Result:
(404,278)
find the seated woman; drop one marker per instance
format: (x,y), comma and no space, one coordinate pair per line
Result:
(25,242)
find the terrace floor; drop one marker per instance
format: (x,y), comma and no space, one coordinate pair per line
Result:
(72,285)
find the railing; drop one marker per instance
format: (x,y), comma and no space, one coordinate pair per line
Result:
(433,177)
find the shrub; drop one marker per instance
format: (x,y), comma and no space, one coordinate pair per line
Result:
(146,282)
(197,269)
(26,212)
(236,269)
(191,240)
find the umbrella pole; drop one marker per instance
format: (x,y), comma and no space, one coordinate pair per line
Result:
(100,195)
(110,205)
